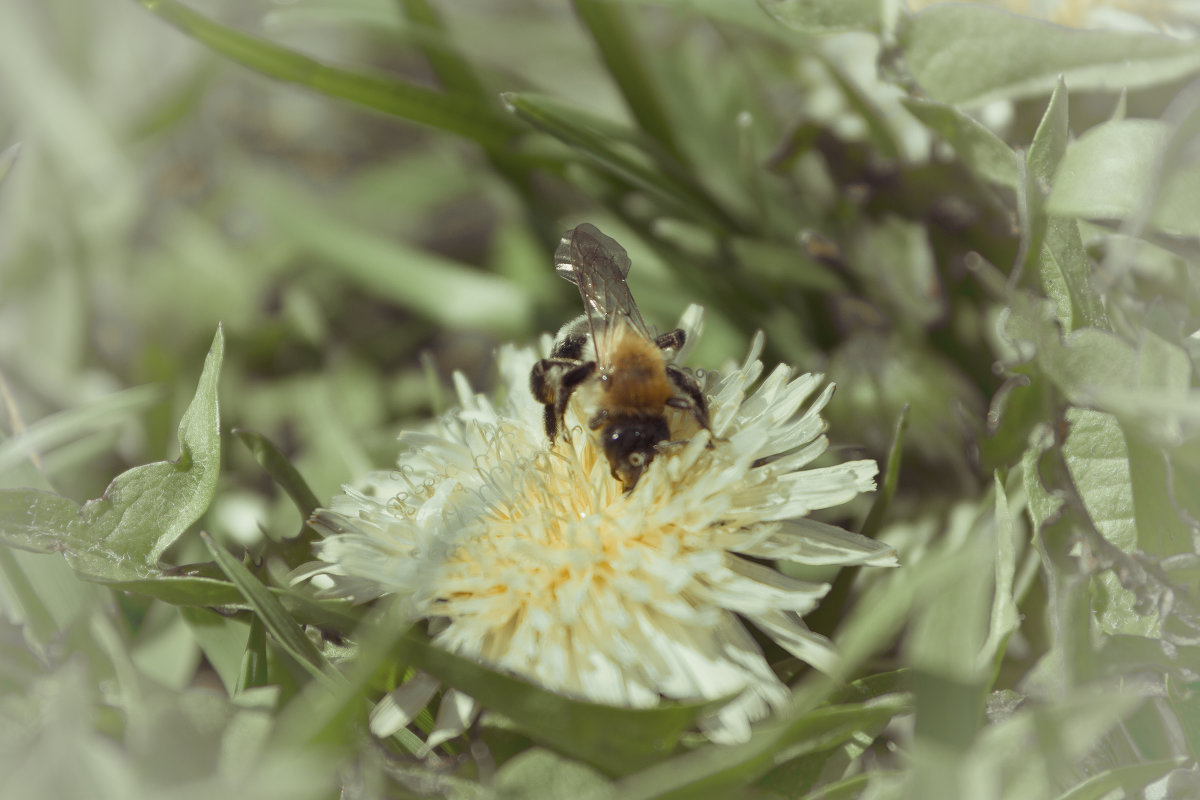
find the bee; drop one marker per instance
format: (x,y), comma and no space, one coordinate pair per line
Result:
(612,363)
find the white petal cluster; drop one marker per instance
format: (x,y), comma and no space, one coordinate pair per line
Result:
(533,560)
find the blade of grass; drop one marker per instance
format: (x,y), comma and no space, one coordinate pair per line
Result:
(576,130)
(452,112)
(891,477)
(455,73)
(280,469)
(72,423)
(316,715)
(254,660)
(877,125)
(275,618)
(8,157)
(615,740)
(609,28)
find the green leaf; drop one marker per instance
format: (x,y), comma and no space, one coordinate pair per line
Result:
(8,157)
(1120,779)
(274,616)
(1041,505)
(1096,455)
(222,640)
(253,671)
(971,54)
(184,590)
(537,774)
(827,16)
(435,287)
(1050,140)
(1045,153)
(1066,272)
(34,520)
(617,155)
(1005,617)
(799,774)
(910,283)
(879,126)
(615,740)
(981,150)
(1161,531)
(891,478)
(453,112)
(74,423)
(624,58)
(784,264)
(717,771)
(1115,171)
(1098,460)
(454,72)
(280,469)
(121,535)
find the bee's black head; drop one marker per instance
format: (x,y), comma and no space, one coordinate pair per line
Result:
(630,444)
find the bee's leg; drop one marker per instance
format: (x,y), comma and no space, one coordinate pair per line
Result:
(692,399)
(546,383)
(566,386)
(672,340)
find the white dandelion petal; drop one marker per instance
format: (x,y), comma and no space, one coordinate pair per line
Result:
(749,588)
(807,541)
(795,494)
(401,706)
(808,427)
(534,560)
(698,661)
(790,632)
(691,322)
(455,714)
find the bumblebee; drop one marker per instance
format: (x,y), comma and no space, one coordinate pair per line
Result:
(612,363)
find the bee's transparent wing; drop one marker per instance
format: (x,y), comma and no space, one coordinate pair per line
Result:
(598,266)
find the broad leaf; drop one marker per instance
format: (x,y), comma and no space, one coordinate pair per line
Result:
(121,535)
(971,54)
(1098,459)
(981,150)
(1115,171)
(615,740)
(827,16)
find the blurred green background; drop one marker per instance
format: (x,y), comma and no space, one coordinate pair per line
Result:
(986,219)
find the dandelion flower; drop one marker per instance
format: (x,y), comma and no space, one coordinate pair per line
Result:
(532,559)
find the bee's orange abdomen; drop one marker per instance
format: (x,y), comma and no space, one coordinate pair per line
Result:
(637,381)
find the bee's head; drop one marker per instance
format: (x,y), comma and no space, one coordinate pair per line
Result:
(630,444)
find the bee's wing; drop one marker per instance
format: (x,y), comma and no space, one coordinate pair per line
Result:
(598,266)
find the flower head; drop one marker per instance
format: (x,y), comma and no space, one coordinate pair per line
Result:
(533,559)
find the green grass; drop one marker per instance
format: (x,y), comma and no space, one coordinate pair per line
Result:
(983,228)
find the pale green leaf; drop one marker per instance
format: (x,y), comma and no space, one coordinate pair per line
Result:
(1098,460)
(1115,171)
(121,535)
(537,774)
(283,628)
(981,150)
(970,54)
(457,113)
(1005,618)
(1118,779)
(1066,272)
(827,16)
(615,740)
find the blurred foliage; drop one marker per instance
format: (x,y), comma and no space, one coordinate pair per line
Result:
(984,218)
